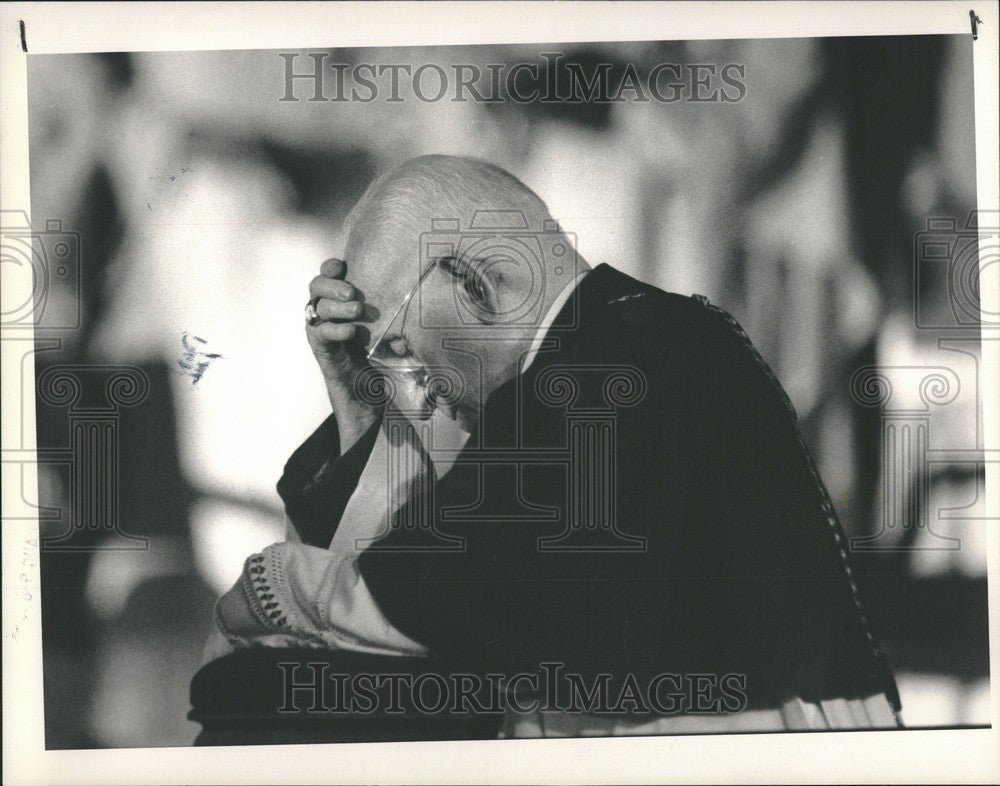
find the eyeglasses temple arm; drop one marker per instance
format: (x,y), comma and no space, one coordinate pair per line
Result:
(396,313)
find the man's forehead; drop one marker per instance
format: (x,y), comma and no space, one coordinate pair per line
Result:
(391,256)
(383,279)
(385,284)
(385,253)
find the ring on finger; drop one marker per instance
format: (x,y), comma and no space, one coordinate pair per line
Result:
(312,316)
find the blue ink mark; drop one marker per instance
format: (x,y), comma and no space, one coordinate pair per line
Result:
(195,362)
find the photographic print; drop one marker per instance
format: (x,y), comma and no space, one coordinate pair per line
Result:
(505,391)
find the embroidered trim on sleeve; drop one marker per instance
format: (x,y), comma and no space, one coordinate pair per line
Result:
(261,596)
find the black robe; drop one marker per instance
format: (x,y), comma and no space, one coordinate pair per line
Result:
(694,538)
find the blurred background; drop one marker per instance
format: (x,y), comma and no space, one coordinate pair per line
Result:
(204,205)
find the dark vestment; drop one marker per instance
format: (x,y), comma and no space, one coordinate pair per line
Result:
(727,555)
(695,536)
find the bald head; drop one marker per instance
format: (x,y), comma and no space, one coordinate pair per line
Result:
(403,203)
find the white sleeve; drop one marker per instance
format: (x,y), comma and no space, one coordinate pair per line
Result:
(308,596)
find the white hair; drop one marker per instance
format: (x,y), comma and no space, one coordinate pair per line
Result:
(407,198)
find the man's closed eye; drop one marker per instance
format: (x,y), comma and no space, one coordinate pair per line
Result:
(471,276)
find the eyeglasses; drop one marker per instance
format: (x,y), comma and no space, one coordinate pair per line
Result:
(404,364)
(405,360)
(371,354)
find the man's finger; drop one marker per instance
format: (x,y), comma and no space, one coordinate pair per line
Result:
(321,286)
(337,309)
(334,332)
(333,268)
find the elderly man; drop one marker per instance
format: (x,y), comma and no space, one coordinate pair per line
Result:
(542,468)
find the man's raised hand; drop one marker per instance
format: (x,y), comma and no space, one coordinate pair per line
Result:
(333,338)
